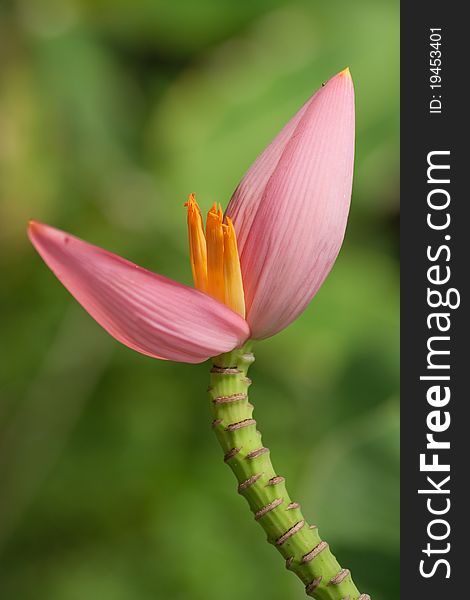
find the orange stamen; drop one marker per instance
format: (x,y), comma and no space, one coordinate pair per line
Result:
(234,294)
(215,254)
(197,244)
(214,257)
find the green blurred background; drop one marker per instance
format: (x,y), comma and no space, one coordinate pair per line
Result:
(112,485)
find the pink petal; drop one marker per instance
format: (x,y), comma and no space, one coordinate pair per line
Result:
(145,311)
(291,207)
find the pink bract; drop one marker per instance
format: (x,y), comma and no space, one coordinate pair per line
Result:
(290,209)
(145,311)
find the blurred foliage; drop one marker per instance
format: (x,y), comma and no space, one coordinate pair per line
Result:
(111,483)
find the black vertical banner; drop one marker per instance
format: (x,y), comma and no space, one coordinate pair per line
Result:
(435,494)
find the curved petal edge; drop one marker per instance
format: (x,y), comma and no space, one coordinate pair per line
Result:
(147,312)
(290,209)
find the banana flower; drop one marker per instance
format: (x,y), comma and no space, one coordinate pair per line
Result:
(255,269)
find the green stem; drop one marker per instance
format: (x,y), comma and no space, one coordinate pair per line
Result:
(299,543)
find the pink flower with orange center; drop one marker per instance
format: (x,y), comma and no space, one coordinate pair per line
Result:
(255,268)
